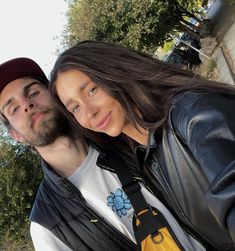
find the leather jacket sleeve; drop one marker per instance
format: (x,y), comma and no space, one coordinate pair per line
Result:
(206,124)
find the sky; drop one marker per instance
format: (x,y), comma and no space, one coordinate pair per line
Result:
(32,28)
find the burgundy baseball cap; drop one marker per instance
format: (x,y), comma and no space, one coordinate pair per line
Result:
(19,68)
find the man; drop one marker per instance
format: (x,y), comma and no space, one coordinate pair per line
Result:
(61,219)
(80,205)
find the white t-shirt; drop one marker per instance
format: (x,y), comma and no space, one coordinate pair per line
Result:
(102,191)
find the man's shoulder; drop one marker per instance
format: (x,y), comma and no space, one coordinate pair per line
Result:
(40,202)
(43,210)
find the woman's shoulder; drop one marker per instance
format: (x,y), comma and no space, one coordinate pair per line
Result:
(200,99)
(189,96)
(191,106)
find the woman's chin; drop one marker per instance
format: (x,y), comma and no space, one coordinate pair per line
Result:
(113,133)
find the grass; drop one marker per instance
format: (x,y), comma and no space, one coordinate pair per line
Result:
(208,69)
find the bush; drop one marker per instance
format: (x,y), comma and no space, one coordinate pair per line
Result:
(208,69)
(230,2)
(20,176)
(10,243)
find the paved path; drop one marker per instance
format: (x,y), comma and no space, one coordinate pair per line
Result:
(223,17)
(229,40)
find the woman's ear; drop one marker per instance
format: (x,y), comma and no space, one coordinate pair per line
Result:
(16,136)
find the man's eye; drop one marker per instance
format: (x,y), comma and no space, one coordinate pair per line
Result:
(92,91)
(75,109)
(33,94)
(14,109)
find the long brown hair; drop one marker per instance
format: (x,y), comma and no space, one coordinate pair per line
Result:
(143,85)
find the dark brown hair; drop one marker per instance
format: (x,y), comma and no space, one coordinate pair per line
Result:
(142,84)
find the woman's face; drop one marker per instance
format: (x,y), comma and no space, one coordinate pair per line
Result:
(93,108)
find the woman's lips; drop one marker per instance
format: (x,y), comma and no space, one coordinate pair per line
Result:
(104,122)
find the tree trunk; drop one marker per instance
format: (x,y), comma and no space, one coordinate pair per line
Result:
(192,26)
(184,12)
(189,14)
(186,29)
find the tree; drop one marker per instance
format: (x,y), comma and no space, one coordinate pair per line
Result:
(231,2)
(19,179)
(142,25)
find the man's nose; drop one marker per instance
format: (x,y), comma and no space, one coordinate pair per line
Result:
(29,105)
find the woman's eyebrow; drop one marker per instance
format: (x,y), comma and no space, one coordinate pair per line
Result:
(81,88)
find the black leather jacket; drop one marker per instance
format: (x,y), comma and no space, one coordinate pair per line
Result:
(192,166)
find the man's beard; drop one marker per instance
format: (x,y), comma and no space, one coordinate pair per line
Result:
(49,130)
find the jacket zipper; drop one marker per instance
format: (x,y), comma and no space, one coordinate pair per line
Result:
(169,191)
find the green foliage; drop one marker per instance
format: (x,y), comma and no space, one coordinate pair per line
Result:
(19,179)
(10,243)
(230,2)
(168,46)
(139,24)
(192,5)
(208,69)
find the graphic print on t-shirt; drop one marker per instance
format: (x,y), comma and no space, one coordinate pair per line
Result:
(119,202)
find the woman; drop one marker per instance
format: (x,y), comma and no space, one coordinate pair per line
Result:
(182,127)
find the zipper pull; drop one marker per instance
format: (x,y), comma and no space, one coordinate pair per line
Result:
(94,220)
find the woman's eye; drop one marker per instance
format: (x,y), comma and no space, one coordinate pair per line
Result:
(75,109)
(33,94)
(92,91)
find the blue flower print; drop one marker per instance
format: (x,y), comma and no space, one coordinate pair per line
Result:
(119,202)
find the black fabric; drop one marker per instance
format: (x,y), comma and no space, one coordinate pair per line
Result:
(192,166)
(60,207)
(129,185)
(151,225)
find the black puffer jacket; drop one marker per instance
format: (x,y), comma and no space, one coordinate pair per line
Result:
(193,166)
(60,207)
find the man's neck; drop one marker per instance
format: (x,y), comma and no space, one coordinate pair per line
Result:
(64,155)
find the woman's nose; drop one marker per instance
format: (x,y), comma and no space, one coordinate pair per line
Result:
(91,112)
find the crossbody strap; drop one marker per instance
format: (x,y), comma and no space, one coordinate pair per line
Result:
(148,221)
(133,190)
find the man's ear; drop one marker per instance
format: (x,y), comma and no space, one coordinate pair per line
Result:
(16,136)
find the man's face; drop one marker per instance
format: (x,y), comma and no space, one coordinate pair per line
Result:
(31,112)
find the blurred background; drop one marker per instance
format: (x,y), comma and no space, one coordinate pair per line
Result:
(198,35)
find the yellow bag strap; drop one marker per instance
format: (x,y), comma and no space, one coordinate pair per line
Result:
(150,221)
(133,190)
